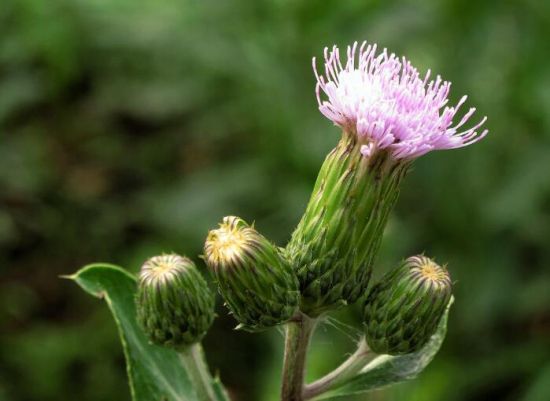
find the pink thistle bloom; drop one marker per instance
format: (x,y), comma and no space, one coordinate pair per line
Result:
(382,99)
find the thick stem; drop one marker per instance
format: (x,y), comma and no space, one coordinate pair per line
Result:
(298,335)
(344,372)
(195,364)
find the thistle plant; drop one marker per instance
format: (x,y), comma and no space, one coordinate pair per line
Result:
(388,115)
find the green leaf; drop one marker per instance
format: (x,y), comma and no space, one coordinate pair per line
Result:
(386,370)
(154,373)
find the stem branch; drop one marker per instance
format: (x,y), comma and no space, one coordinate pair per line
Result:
(298,335)
(360,358)
(193,359)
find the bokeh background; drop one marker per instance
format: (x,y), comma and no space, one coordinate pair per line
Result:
(130,128)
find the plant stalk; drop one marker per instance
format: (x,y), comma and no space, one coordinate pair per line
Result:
(349,368)
(298,336)
(193,359)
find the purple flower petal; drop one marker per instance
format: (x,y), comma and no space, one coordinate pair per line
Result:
(383,100)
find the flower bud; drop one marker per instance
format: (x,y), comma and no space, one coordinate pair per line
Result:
(335,244)
(256,281)
(175,307)
(403,310)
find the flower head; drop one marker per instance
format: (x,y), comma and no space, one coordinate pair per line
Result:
(158,270)
(383,101)
(403,310)
(255,279)
(175,307)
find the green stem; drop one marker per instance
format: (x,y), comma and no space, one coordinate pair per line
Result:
(298,335)
(193,359)
(341,374)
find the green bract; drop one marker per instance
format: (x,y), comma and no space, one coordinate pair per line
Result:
(257,283)
(403,310)
(175,307)
(336,242)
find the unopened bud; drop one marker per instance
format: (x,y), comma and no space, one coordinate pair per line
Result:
(256,281)
(175,307)
(403,310)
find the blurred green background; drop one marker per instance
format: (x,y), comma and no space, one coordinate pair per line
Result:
(129,128)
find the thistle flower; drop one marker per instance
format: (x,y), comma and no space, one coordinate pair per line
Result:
(403,310)
(256,281)
(384,102)
(389,116)
(175,307)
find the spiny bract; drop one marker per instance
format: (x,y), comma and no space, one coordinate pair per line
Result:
(256,281)
(403,310)
(175,307)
